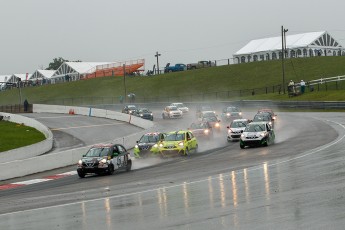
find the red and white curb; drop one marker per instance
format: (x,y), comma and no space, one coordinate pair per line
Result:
(35,181)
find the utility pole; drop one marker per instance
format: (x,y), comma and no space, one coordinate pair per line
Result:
(157,55)
(124,82)
(283,54)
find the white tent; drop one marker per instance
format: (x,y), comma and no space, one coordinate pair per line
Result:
(74,70)
(3,80)
(297,45)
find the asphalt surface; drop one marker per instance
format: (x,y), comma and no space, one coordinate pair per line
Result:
(297,183)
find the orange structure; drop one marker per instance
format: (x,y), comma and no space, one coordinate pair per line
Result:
(116,69)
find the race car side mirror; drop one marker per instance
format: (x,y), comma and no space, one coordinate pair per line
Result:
(227,127)
(137,141)
(241,131)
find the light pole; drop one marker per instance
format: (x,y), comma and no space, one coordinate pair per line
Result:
(283,54)
(124,81)
(157,55)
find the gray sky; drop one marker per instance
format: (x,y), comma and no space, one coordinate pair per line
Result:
(33,32)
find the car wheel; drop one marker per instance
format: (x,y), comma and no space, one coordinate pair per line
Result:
(129,165)
(241,146)
(111,169)
(196,148)
(186,152)
(81,174)
(163,116)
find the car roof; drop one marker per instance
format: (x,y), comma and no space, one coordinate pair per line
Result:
(152,134)
(102,145)
(258,123)
(239,120)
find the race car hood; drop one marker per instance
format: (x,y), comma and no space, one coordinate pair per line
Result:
(92,159)
(170,143)
(237,129)
(146,144)
(254,134)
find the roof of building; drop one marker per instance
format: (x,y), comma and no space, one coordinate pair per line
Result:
(292,41)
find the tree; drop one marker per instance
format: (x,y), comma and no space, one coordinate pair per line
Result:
(56,63)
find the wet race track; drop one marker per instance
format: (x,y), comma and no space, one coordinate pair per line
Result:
(297,183)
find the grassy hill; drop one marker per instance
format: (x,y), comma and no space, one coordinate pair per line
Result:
(183,85)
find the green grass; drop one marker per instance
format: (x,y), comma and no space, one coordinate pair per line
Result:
(14,136)
(181,85)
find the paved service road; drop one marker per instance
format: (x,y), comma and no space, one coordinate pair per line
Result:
(71,131)
(297,183)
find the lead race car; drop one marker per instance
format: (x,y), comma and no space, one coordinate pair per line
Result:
(257,134)
(104,159)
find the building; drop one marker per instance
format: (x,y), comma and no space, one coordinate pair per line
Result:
(41,76)
(297,45)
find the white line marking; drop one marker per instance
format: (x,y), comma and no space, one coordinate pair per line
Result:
(184,183)
(70,116)
(34,181)
(88,126)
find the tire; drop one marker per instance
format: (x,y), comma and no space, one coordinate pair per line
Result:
(241,146)
(196,148)
(111,169)
(81,174)
(129,165)
(163,116)
(170,71)
(186,152)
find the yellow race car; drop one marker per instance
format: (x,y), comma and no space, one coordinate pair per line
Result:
(178,143)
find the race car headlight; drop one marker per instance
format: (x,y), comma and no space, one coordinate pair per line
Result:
(217,124)
(229,131)
(80,162)
(155,146)
(228,114)
(161,145)
(206,131)
(136,146)
(103,161)
(180,144)
(262,134)
(141,115)
(270,123)
(151,114)
(242,135)
(240,113)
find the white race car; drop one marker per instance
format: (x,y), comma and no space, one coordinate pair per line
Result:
(236,128)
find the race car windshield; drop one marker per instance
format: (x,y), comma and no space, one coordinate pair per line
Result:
(149,139)
(132,107)
(144,111)
(211,118)
(173,108)
(210,114)
(261,118)
(198,126)
(255,128)
(232,110)
(238,124)
(97,152)
(175,137)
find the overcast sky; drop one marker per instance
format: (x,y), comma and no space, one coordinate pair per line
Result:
(33,32)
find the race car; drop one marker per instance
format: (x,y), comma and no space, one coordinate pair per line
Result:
(201,129)
(104,159)
(147,145)
(202,108)
(236,128)
(143,113)
(129,109)
(171,112)
(263,116)
(181,107)
(212,119)
(231,113)
(274,116)
(178,143)
(257,134)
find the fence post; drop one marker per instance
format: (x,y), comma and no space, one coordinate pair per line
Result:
(228,61)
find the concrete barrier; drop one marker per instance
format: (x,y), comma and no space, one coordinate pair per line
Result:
(46,162)
(31,150)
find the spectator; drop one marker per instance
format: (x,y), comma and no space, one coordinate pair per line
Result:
(26,105)
(302,86)
(121,99)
